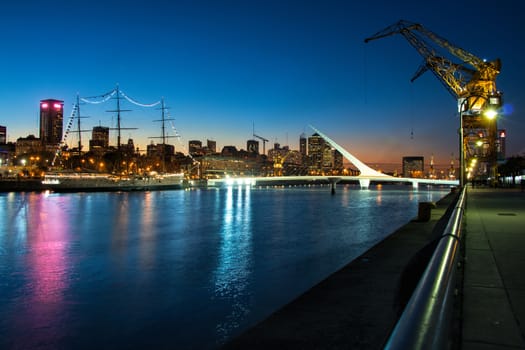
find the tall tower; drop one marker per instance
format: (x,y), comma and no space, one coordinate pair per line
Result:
(3,135)
(51,123)
(316,146)
(303,145)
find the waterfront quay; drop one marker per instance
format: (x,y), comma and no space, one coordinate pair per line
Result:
(358,306)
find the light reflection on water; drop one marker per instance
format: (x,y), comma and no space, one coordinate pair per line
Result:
(176,269)
(232,274)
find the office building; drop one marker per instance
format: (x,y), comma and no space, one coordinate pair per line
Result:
(51,123)
(195,148)
(337,161)
(160,150)
(28,145)
(3,135)
(99,139)
(413,166)
(316,146)
(212,146)
(303,144)
(252,146)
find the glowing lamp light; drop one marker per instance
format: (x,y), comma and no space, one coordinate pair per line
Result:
(45,105)
(490,113)
(57,106)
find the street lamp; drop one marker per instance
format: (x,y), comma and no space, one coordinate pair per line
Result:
(461,108)
(494,105)
(491,113)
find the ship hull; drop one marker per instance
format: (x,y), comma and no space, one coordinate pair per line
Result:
(103,183)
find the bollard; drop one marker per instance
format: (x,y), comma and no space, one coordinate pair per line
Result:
(424,210)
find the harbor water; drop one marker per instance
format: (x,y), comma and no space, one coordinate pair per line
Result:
(185,269)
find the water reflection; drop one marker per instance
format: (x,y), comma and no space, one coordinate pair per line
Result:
(182,269)
(147,231)
(40,306)
(232,275)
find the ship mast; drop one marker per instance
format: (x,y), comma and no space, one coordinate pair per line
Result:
(79,130)
(163,136)
(118,111)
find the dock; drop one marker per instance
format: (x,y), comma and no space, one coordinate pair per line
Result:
(358,306)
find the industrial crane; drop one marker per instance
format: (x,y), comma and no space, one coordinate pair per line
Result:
(260,138)
(472,81)
(476,83)
(278,163)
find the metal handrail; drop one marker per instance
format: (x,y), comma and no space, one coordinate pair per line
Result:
(425,321)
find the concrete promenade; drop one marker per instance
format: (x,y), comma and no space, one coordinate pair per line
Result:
(356,307)
(494,275)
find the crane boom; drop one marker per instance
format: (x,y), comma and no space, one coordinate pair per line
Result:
(472,81)
(263,140)
(472,78)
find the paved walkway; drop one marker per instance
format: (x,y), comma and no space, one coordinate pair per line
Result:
(356,307)
(494,281)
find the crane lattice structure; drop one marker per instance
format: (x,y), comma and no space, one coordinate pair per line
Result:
(471,81)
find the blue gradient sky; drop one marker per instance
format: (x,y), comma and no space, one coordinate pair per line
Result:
(223,66)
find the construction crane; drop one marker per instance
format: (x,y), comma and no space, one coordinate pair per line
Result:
(471,81)
(476,83)
(278,163)
(260,138)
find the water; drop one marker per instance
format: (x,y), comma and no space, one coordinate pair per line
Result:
(176,269)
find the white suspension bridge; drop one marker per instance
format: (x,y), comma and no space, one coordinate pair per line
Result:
(366,176)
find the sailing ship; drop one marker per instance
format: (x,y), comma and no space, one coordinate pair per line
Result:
(87,182)
(71,181)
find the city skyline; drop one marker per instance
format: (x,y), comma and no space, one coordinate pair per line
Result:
(224,67)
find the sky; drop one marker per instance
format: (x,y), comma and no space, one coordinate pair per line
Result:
(228,67)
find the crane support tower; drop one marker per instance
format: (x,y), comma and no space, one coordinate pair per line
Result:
(470,80)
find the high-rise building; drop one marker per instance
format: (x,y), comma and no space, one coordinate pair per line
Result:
(338,160)
(195,147)
(413,166)
(316,145)
(3,135)
(212,146)
(252,146)
(51,123)
(303,145)
(99,138)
